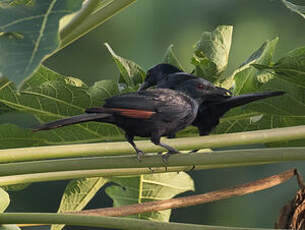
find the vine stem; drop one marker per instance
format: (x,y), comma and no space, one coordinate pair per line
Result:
(100,221)
(123,148)
(217,159)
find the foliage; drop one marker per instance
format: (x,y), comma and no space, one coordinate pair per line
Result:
(30,31)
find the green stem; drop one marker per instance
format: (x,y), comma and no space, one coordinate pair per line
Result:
(100,221)
(208,160)
(123,148)
(92,21)
(86,10)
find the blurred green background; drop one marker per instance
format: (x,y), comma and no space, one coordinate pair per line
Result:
(142,33)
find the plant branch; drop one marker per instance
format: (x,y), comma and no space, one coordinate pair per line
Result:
(100,221)
(67,175)
(123,148)
(181,202)
(217,159)
(92,21)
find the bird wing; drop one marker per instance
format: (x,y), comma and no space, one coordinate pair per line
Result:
(145,104)
(172,81)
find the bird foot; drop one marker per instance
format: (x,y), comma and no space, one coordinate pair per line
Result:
(193,167)
(165,156)
(194,151)
(140,154)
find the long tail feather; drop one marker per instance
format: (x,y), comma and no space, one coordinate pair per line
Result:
(71,120)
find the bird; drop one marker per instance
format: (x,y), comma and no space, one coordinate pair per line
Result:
(213,107)
(150,113)
(156,75)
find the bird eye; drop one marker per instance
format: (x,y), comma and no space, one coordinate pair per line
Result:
(200,86)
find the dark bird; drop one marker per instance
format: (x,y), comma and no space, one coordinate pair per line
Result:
(157,75)
(150,113)
(213,107)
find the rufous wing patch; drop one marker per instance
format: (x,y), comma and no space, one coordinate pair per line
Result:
(134,113)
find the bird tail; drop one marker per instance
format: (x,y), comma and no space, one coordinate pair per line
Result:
(235,101)
(71,120)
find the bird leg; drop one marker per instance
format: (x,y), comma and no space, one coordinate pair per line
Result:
(156,140)
(138,151)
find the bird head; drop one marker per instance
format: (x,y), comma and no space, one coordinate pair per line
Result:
(202,89)
(157,73)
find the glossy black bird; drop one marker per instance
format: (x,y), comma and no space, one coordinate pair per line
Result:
(167,76)
(151,113)
(157,75)
(213,107)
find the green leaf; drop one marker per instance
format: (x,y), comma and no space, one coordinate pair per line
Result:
(4,200)
(295,8)
(28,33)
(9,227)
(50,96)
(269,113)
(249,79)
(16,187)
(290,68)
(212,53)
(130,73)
(171,58)
(144,188)
(77,195)
(12,136)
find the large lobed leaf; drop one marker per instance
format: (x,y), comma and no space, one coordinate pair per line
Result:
(50,96)
(144,188)
(283,111)
(28,33)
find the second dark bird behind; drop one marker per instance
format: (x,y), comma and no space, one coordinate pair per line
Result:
(213,107)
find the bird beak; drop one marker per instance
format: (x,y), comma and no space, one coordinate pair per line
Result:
(219,91)
(144,86)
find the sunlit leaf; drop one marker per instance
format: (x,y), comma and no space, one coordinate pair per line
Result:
(212,53)
(295,8)
(77,195)
(130,73)
(171,58)
(290,68)
(28,33)
(144,188)
(4,200)
(249,79)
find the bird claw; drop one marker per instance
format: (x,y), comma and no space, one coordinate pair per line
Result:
(193,167)
(139,155)
(193,151)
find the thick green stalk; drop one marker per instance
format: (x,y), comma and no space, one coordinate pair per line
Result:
(208,160)
(100,221)
(94,20)
(123,148)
